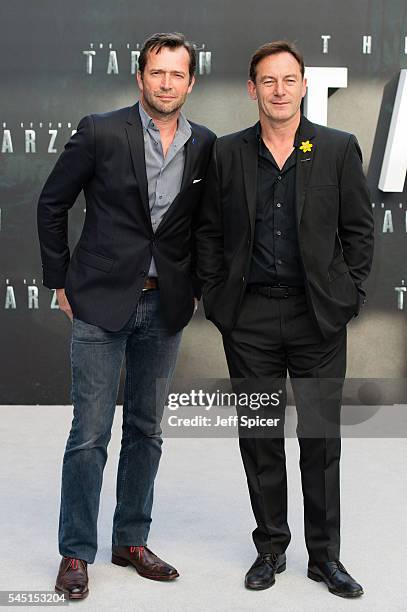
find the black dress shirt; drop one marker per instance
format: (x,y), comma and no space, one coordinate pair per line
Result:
(276,257)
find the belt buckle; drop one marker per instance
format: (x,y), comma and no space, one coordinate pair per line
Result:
(283,289)
(286,293)
(150,283)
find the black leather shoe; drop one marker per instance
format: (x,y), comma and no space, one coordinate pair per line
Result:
(335,576)
(262,573)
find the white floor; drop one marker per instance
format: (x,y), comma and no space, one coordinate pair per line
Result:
(201,523)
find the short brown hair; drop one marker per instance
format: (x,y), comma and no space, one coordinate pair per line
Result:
(272,48)
(172,40)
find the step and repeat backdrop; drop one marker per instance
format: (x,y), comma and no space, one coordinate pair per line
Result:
(62,60)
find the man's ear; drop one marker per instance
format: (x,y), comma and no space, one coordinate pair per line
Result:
(304,85)
(139,77)
(191,84)
(251,88)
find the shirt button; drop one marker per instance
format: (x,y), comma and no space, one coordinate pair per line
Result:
(279,261)
(160,197)
(278,204)
(278,233)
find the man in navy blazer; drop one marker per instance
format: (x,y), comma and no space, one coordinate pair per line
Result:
(129,289)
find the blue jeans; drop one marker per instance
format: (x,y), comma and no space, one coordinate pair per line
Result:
(96,359)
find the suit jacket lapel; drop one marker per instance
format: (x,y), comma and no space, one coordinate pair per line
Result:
(305,157)
(191,149)
(190,156)
(135,136)
(249,157)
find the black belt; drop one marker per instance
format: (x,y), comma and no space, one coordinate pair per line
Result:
(274,291)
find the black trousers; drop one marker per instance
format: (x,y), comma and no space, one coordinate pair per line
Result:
(273,336)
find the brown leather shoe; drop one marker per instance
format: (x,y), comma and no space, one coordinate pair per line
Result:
(144,561)
(72,578)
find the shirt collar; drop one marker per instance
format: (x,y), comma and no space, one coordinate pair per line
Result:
(296,137)
(298,132)
(183,128)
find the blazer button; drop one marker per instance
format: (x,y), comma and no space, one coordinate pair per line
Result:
(143,273)
(243,279)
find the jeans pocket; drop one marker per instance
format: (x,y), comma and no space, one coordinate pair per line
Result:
(86,332)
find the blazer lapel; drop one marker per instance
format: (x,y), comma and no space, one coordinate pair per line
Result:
(249,157)
(305,157)
(191,147)
(135,137)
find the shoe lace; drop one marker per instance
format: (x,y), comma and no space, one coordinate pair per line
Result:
(73,563)
(341,567)
(138,549)
(337,567)
(271,557)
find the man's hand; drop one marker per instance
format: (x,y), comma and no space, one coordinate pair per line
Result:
(64,304)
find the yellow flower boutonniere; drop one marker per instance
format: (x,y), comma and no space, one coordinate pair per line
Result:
(306,146)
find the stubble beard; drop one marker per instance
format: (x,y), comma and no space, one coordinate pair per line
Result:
(280,118)
(163,109)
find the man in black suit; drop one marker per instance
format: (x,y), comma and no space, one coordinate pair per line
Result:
(284,244)
(129,289)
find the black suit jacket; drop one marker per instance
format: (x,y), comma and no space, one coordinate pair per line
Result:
(104,278)
(334,224)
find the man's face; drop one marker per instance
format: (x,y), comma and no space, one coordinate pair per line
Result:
(279,87)
(165,82)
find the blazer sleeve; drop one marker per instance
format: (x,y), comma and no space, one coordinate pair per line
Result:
(209,234)
(355,226)
(71,173)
